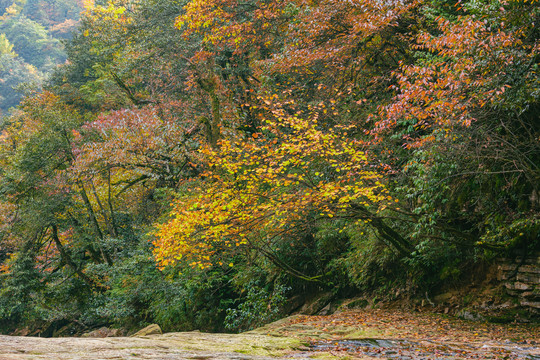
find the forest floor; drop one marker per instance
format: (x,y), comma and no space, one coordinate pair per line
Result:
(396,334)
(361,334)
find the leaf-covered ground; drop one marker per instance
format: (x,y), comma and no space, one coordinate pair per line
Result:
(406,335)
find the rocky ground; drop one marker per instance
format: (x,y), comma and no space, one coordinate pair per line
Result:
(364,334)
(395,334)
(191,345)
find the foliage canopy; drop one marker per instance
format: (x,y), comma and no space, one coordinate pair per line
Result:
(228,155)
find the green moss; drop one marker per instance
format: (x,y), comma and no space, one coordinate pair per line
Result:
(329,356)
(362,334)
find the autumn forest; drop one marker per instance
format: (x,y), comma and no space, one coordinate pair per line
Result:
(200,164)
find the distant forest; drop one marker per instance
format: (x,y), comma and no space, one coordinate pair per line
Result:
(31,34)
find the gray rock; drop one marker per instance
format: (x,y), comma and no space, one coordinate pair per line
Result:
(517,286)
(153,329)
(103,332)
(469,315)
(532,304)
(317,304)
(171,346)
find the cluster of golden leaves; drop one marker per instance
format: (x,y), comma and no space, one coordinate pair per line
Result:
(266,186)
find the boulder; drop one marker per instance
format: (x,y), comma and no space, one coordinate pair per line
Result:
(316,304)
(470,315)
(153,329)
(103,332)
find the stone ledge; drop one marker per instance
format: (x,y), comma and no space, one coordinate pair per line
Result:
(518,286)
(533,304)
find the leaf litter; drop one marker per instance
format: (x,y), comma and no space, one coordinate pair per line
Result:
(397,334)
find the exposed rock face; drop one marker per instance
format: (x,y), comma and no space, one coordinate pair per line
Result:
(469,315)
(171,346)
(153,329)
(522,280)
(103,333)
(317,304)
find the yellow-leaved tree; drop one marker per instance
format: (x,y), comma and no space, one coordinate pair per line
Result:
(273,185)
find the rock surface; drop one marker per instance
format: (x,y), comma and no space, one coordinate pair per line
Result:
(521,278)
(103,332)
(353,334)
(191,345)
(153,329)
